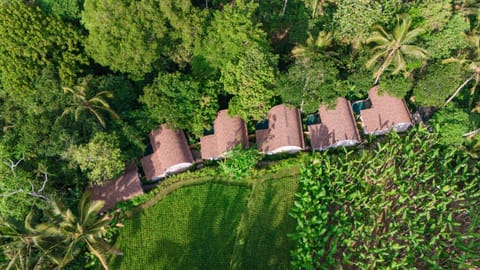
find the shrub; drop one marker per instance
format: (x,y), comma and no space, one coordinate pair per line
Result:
(239,162)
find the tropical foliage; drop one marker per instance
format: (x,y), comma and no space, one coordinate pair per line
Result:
(394,48)
(101,158)
(60,238)
(94,105)
(239,163)
(82,82)
(398,206)
(182,102)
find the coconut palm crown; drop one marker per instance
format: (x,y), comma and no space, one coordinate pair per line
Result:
(95,105)
(393,48)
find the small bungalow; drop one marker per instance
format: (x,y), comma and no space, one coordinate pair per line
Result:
(228,132)
(337,127)
(386,113)
(171,153)
(123,188)
(282,132)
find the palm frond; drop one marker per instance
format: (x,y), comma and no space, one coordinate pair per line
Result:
(99,117)
(374,59)
(110,111)
(98,100)
(99,255)
(78,112)
(454,60)
(414,51)
(91,210)
(400,63)
(324,39)
(379,30)
(412,35)
(401,30)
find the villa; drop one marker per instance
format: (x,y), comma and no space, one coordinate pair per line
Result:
(171,153)
(337,127)
(282,131)
(228,132)
(386,113)
(123,188)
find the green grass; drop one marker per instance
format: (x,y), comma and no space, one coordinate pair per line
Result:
(215,226)
(192,228)
(262,239)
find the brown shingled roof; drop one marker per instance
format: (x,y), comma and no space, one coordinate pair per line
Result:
(386,113)
(228,132)
(284,132)
(123,188)
(337,127)
(171,153)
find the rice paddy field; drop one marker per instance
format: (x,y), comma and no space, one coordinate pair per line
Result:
(214,226)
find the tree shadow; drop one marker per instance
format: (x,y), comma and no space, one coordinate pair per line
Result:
(208,241)
(266,245)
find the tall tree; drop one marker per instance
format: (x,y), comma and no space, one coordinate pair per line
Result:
(354,19)
(306,85)
(142,36)
(22,243)
(231,32)
(94,105)
(441,44)
(32,44)
(437,83)
(21,190)
(83,227)
(101,158)
(60,238)
(319,47)
(471,63)
(250,79)
(393,48)
(182,101)
(127,36)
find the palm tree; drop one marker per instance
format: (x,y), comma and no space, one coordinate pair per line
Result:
(94,105)
(59,239)
(393,48)
(315,48)
(86,228)
(26,246)
(471,64)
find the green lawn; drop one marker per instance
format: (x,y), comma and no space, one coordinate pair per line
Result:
(214,226)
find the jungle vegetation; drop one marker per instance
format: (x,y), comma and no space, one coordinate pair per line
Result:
(82,83)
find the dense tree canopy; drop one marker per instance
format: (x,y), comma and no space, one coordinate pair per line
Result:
(308,85)
(139,37)
(250,79)
(181,102)
(100,158)
(437,84)
(354,19)
(31,44)
(231,32)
